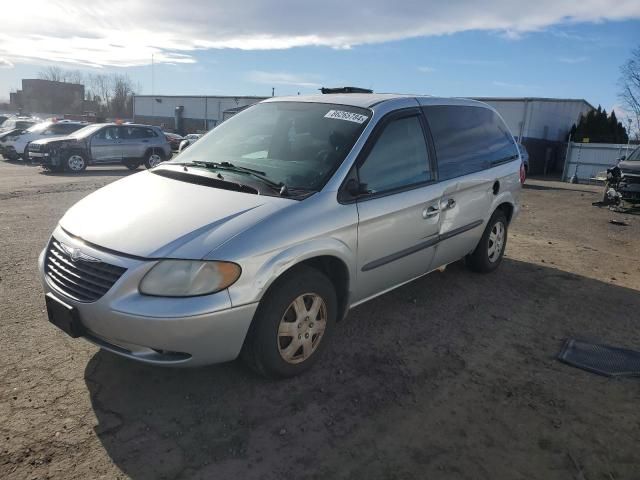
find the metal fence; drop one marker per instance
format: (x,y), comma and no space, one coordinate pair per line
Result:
(586,160)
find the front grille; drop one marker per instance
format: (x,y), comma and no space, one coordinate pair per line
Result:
(34,147)
(82,280)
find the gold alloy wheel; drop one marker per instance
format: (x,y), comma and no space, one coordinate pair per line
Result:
(302,327)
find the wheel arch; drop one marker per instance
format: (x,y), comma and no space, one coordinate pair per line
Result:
(331,260)
(507,208)
(151,150)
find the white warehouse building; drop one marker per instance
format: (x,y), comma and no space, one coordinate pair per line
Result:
(540,124)
(198,113)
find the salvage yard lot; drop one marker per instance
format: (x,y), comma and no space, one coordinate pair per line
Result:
(451,376)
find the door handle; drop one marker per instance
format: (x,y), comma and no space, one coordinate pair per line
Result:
(449,204)
(430,211)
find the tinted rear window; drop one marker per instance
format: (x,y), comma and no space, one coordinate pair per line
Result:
(468,139)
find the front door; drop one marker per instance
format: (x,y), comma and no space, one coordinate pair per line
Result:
(106,145)
(399,216)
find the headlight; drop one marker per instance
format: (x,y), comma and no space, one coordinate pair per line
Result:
(188,278)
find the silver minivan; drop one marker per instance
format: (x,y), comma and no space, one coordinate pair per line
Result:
(264,233)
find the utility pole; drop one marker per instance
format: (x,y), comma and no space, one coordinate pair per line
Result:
(273,91)
(629,134)
(152,75)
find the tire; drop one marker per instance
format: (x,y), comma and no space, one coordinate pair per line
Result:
(605,197)
(132,166)
(25,155)
(268,349)
(485,258)
(74,163)
(153,159)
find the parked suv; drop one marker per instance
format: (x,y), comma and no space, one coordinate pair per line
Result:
(16,145)
(17,123)
(265,232)
(101,143)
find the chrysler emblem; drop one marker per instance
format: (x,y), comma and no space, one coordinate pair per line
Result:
(76,254)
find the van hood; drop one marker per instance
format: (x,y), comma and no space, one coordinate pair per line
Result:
(48,140)
(151,216)
(628,166)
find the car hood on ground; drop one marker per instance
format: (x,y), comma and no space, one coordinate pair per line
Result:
(628,166)
(9,133)
(151,216)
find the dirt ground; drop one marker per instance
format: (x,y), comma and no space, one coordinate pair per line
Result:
(453,376)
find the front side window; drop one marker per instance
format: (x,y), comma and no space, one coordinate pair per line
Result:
(86,131)
(109,133)
(399,157)
(635,155)
(468,139)
(299,144)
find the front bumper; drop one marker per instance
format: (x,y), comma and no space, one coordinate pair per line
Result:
(156,330)
(40,157)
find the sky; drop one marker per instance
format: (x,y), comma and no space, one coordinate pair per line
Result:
(546,48)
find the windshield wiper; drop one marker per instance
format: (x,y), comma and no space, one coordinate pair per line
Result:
(280,187)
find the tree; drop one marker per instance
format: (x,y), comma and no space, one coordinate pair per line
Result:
(630,88)
(599,127)
(54,74)
(122,100)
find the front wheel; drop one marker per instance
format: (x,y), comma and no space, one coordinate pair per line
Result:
(490,250)
(75,163)
(292,325)
(25,154)
(153,159)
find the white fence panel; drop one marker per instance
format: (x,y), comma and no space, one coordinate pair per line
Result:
(586,160)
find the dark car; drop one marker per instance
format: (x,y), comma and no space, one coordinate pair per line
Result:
(101,143)
(174,140)
(623,181)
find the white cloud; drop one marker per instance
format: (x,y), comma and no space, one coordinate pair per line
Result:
(573,60)
(4,63)
(426,69)
(127,32)
(282,78)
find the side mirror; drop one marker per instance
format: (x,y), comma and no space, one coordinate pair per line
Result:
(622,158)
(356,189)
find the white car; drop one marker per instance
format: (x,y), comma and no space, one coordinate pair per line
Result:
(189,140)
(16,145)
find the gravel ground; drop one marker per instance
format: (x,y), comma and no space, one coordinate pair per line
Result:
(452,376)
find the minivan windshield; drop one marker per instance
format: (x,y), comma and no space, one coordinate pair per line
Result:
(297,144)
(86,131)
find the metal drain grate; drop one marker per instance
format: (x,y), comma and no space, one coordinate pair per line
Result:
(600,359)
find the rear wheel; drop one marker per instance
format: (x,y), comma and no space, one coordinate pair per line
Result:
(132,165)
(292,325)
(153,159)
(75,163)
(490,250)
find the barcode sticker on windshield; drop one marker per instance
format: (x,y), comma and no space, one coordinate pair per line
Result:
(348,116)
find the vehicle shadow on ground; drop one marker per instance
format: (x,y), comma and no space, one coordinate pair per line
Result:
(116,172)
(394,372)
(529,186)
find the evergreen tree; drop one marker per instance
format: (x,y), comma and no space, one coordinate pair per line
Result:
(599,127)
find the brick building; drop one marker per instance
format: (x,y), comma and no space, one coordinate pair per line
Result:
(46,96)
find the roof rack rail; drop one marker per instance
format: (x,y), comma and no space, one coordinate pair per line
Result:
(326,90)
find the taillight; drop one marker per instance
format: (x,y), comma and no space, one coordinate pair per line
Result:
(523,173)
